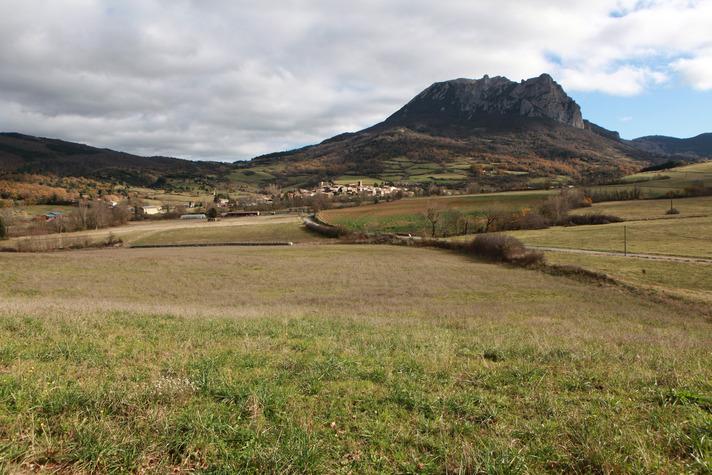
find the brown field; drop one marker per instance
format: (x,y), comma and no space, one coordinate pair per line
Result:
(254,228)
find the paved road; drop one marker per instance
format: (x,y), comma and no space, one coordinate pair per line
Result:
(658,257)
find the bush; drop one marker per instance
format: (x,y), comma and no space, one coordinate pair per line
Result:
(672,211)
(503,248)
(590,218)
(614,195)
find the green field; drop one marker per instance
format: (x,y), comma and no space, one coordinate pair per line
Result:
(341,359)
(351,179)
(407,215)
(678,237)
(29,211)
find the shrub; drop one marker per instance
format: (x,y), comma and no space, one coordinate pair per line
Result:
(672,211)
(499,247)
(590,218)
(503,248)
(614,195)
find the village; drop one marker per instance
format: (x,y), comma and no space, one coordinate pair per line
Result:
(330,189)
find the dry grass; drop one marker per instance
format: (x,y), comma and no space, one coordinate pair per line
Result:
(687,280)
(365,359)
(294,232)
(164,230)
(677,237)
(652,209)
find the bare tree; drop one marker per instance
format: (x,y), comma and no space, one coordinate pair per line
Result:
(82,214)
(432,215)
(495,218)
(3,228)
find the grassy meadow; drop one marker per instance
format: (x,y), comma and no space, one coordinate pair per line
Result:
(652,209)
(658,184)
(342,359)
(687,237)
(685,279)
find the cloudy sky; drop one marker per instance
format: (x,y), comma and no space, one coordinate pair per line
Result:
(231,79)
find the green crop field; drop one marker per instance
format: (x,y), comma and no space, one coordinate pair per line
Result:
(407,215)
(341,359)
(678,237)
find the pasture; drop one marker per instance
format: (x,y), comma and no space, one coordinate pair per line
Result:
(253,229)
(341,359)
(684,279)
(658,184)
(690,237)
(652,209)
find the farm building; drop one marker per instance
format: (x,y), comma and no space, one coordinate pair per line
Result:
(150,209)
(193,216)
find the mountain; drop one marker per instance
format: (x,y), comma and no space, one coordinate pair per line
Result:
(491,130)
(699,146)
(480,101)
(36,155)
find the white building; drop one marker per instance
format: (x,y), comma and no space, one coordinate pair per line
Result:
(150,209)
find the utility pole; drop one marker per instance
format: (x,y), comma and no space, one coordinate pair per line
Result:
(625,240)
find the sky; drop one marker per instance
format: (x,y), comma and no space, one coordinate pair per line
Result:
(232,79)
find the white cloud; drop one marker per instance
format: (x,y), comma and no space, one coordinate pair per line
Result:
(624,81)
(696,71)
(229,79)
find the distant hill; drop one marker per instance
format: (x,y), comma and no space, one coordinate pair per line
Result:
(699,146)
(35,155)
(492,129)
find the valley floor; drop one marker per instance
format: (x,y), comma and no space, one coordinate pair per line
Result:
(342,359)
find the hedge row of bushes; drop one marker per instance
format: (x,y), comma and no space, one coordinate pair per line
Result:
(493,247)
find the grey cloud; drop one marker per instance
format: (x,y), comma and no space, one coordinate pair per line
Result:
(227,80)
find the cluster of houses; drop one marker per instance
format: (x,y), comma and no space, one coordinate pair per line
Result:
(332,190)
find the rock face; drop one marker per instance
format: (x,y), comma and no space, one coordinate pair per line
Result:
(478,100)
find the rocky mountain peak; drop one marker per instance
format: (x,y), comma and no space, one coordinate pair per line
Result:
(475,99)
